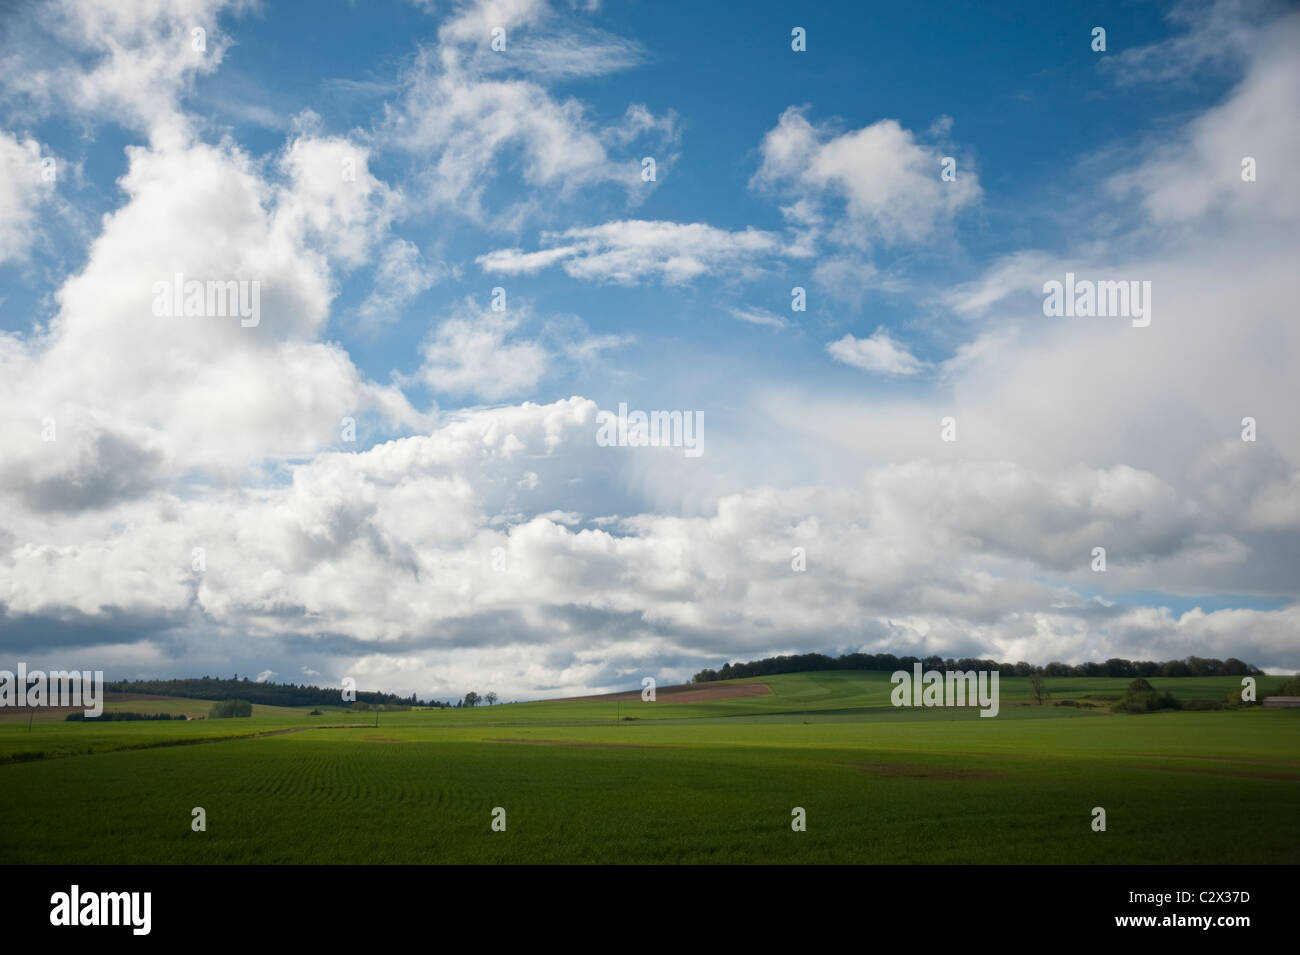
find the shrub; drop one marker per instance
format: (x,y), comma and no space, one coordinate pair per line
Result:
(1141,697)
(1147,702)
(1234,698)
(1290,688)
(228,709)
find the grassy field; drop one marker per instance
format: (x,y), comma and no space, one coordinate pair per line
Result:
(669,782)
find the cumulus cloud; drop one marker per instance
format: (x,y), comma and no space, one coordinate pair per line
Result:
(402,549)
(129,59)
(469,355)
(483,354)
(23,191)
(889,184)
(879,353)
(137,397)
(174,488)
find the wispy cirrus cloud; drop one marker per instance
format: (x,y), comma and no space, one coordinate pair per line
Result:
(1213,36)
(633,251)
(472,112)
(758,316)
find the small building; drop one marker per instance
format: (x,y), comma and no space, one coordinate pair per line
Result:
(1282,702)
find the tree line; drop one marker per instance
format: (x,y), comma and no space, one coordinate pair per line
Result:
(110,716)
(1115,666)
(271,694)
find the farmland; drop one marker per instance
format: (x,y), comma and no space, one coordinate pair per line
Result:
(709,780)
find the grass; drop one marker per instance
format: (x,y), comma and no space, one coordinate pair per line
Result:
(699,782)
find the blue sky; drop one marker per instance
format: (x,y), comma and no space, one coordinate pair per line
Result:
(520,169)
(1029,96)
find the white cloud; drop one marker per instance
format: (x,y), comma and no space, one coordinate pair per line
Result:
(379,562)
(23,192)
(400,278)
(472,124)
(393,547)
(572,53)
(758,316)
(332,200)
(1019,272)
(474,22)
(590,348)
(1198,173)
(879,353)
(469,355)
(889,183)
(634,251)
(1214,36)
(129,59)
(850,277)
(139,398)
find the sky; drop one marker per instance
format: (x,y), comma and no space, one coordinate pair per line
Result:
(468,232)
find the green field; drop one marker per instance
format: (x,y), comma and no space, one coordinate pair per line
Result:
(668,782)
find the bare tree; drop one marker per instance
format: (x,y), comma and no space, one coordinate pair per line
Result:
(1038,687)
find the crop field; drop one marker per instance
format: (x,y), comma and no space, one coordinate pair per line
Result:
(705,780)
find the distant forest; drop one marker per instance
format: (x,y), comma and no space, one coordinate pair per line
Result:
(271,694)
(110,716)
(804,662)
